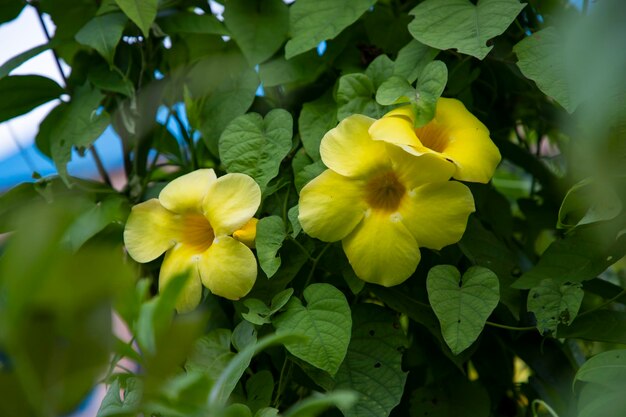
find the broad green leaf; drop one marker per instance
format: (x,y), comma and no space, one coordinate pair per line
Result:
(185,22)
(224,87)
(22,93)
(462,305)
(244,334)
(461,25)
(259,26)
(259,388)
(589,201)
(373,365)
(554,303)
(111,210)
(316,118)
(583,254)
(318,403)
(297,71)
(259,313)
(379,70)
(607,369)
(394,91)
(18,60)
(601,402)
(307,173)
(230,376)
(78,124)
(430,84)
(256,146)
(541,58)
(211,353)
(313,21)
(106,79)
(270,234)
(141,12)
(13,200)
(412,59)
(10,9)
(325,321)
(293,214)
(602,326)
(114,406)
(103,33)
(355,94)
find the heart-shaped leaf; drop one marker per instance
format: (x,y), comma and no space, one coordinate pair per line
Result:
(462,305)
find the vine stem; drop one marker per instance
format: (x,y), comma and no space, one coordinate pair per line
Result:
(504,326)
(604,304)
(92,149)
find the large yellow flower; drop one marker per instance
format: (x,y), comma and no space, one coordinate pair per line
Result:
(454,134)
(382,202)
(200,221)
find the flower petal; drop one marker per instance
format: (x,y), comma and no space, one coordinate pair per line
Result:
(186,192)
(414,170)
(230,202)
(349,150)
(247,234)
(331,206)
(469,145)
(178,260)
(381,250)
(436,214)
(150,230)
(228,268)
(395,128)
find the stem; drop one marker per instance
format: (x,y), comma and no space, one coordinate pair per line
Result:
(606,303)
(280,388)
(103,173)
(504,326)
(315,262)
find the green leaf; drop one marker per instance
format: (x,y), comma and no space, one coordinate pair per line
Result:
(607,369)
(554,304)
(316,118)
(461,25)
(308,173)
(260,388)
(10,9)
(293,214)
(256,146)
(297,71)
(259,314)
(313,21)
(462,305)
(114,406)
(18,60)
(373,365)
(430,84)
(22,93)
(103,33)
(355,94)
(395,90)
(602,326)
(318,403)
(589,201)
(267,412)
(379,70)
(412,59)
(541,58)
(583,254)
(111,210)
(325,321)
(259,27)
(77,124)
(270,234)
(106,79)
(185,22)
(141,12)
(211,353)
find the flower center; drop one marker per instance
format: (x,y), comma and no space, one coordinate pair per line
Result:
(197,232)
(384,192)
(433,136)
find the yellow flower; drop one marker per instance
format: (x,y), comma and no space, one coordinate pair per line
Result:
(194,221)
(382,202)
(454,134)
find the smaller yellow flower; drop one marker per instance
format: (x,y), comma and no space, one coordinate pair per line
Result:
(197,221)
(382,203)
(454,134)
